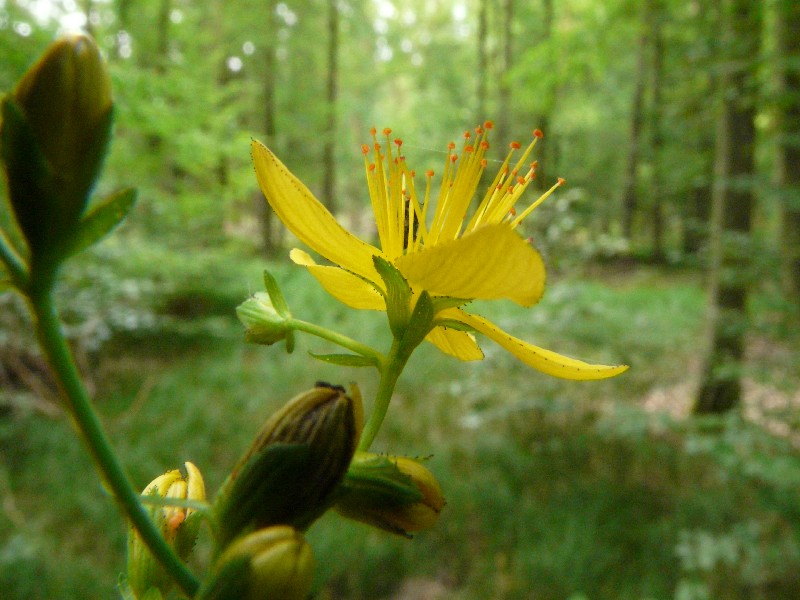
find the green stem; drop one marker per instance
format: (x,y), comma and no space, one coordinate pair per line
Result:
(13,261)
(392,367)
(48,330)
(339,339)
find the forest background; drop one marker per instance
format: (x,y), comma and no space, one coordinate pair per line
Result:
(674,247)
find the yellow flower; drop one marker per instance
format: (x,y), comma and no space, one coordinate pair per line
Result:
(480,257)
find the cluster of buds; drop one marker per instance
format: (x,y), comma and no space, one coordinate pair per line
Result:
(178,524)
(56,125)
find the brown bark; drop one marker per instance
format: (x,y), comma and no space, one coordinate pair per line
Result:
(629,195)
(732,206)
(329,156)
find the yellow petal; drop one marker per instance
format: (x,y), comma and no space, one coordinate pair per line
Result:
(491,262)
(307,218)
(456,343)
(342,285)
(541,359)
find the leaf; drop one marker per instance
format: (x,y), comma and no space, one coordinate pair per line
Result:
(346,360)
(101,220)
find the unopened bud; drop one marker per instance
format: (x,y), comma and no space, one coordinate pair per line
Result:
(295,464)
(265,325)
(178,525)
(393,493)
(56,126)
(274,563)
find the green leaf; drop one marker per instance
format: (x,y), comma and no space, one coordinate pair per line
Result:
(346,360)
(101,220)
(398,296)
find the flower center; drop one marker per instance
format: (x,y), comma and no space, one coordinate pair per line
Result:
(402,220)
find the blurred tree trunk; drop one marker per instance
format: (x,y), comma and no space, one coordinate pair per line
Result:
(483,60)
(503,121)
(629,196)
(732,205)
(656,125)
(548,151)
(269,242)
(789,154)
(329,157)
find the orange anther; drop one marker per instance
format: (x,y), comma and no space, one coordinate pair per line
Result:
(485,145)
(453,157)
(371,167)
(520,179)
(537,133)
(451,145)
(429,173)
(561,181)
(515,145)
(479,130)
(512,211)
(413,173)
(535,165)
(484,162)
(364,149)
(469,149)
(398,142)
(488,125)
(387,131)
(467,135)
(373,131)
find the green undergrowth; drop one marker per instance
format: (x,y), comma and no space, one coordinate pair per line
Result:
(555,489)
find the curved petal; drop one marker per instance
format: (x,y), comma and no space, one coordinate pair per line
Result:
(307,218)
(491,262)
(342,285)
(541,359)
(456,343)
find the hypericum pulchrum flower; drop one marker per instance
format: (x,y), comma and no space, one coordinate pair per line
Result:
(433,240)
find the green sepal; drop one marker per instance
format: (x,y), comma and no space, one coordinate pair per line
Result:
(453,324)
(125,591)
(381,481)
(275,294)
(346,360)
(443,302)
(30,180)
(398,296)
(264,491)
(420,323)
(101,220)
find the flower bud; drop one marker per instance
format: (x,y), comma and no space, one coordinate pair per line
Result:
(265,325)
(56,126)
(295,464)
(274,563)
(178,525)
(393,493)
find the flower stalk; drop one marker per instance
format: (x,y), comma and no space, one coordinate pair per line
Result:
(59,356)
